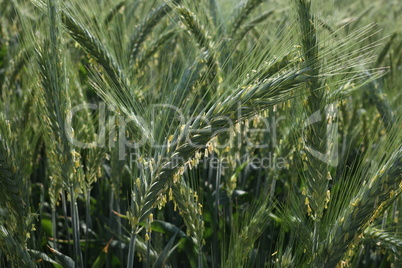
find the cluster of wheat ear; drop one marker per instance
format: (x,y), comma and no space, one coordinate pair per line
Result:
(177,133)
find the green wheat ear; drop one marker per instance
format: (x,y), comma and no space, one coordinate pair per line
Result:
(212,64)
(14,202)
(197,30)
(242,13)
(145,29)
(316,175)
(186,200)
(384,238)
(247,232)
(251,25)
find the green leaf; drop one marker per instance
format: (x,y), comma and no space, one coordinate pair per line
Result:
(100,261)
(62,259)
(47,226)
(41,256)
(187,245)
(169,248)
(167,228)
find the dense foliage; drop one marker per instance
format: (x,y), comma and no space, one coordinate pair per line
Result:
(200,133)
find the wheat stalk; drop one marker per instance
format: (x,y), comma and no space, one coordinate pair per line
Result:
(190,209)
(243,240)
(242,13)
(14,230)
(375,95)
(263,95)
(145,28)
(57,104)
(373,198)
(116,78)
(112,13)
(95,48)
(249,26)
(155,46)
(383,238)
(197,30)
(15,251)
(316,173)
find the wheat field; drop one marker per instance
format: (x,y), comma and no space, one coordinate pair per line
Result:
(220,133)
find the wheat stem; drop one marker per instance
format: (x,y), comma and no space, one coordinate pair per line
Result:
(145,28)
(263,95)
(316,138)
(364,209)
(243,12)
(198,31)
